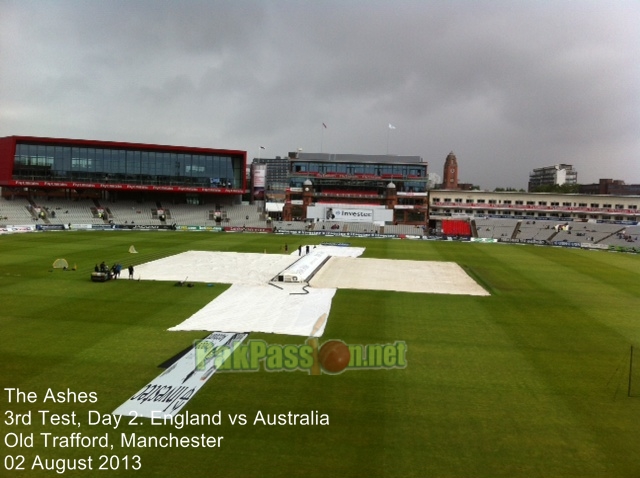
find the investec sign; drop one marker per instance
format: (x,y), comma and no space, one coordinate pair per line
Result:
(170,391)
(353,215)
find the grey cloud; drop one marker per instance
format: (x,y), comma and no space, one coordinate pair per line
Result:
(507,85)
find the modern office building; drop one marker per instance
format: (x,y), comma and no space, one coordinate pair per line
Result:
(276,176)
(359,186)
(558,174)
(113,171)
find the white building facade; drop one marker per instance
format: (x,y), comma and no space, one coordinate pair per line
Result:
(520,205)
(558,174)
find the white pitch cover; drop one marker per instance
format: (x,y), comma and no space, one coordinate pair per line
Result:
(170,391)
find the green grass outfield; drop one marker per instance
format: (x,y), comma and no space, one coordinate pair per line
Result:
(529,382)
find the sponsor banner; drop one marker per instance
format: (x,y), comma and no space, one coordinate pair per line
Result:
(11,229)
(21,228)
(148,227)
(566,244)
(483,239)
(359,234)
(200,228)
(161,227)
(333,234)
(404,206)
(589,245)
(50,227)
(104,227)
(537,242)
(259,172)
(170,391)
(125,227)
(634,250)
(246,229)
(123,187)
(349,215)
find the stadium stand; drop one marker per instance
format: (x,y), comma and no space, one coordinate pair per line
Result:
(588,232)
(494,228)
(62,211)
(328,226)
(402,229)
(191,214)
(456,227)
(537,230)
(15,212)
(290,225)
(132,213)
(361,227)
(627,237)
(59,211)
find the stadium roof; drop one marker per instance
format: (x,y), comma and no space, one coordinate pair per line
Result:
(358,158)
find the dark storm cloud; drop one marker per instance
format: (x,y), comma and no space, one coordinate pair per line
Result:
(507,85)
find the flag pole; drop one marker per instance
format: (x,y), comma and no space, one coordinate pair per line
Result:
(322,128)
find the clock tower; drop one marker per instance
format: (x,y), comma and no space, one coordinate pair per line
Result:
(450,176)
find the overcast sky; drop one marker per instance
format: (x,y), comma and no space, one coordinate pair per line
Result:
(507,85)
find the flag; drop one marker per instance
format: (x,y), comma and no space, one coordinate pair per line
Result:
(325,126)
(262,147)
(391,126)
